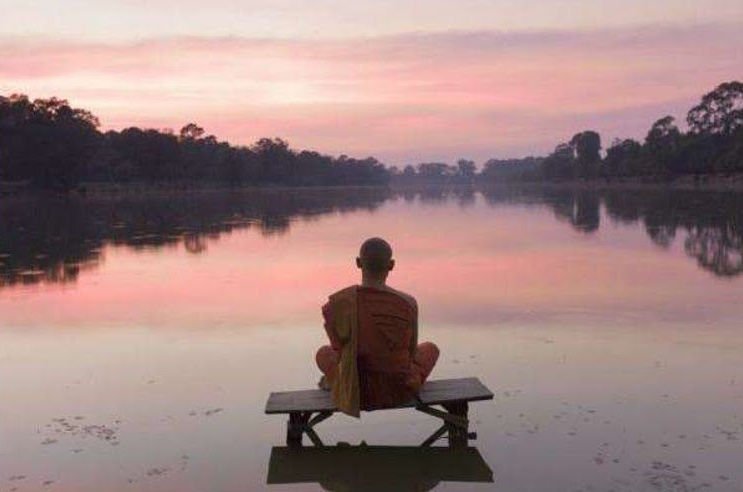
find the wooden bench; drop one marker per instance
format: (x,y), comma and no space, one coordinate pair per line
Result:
(308,408)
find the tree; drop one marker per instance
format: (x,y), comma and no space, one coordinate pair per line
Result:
(663,130)
(191,131)
(524,169)
(587,147)
(276,159)
(623,157)
(52,145)
(466,169)
(154,156)
(434,170)
(409,171)
(45,141)
(731,160)
(560,163)
(662,144)
(720,111)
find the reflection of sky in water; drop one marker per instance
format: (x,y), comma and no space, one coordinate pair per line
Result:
(616,362)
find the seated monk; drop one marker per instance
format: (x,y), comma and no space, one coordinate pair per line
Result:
(374,359)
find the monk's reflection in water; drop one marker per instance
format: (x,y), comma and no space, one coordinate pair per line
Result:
(377,468)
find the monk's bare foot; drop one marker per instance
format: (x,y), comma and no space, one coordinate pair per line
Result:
(324,384)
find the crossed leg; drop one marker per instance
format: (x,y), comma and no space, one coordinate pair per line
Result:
(424,359)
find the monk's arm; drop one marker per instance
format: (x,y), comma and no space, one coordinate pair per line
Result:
(327,314)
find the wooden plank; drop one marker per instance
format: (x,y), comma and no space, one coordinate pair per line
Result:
(316,400)
(432,393)
(461,389)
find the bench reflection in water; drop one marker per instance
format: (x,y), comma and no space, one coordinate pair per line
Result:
(376,468)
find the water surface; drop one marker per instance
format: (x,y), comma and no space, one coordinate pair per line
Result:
(141,334)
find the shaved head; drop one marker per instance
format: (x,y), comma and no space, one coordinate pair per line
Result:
(375,256)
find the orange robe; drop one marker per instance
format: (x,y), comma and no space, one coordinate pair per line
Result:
(373,331)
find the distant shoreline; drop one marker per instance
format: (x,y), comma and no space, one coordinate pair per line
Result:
(704,182)
(94,189)
(731,182)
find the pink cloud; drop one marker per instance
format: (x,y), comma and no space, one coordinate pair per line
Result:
(398,97)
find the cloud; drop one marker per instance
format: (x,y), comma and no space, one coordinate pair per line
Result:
(398,97)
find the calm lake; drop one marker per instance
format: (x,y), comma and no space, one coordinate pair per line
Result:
(140,335)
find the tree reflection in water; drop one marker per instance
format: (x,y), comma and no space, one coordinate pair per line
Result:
(711,221)
(53,239)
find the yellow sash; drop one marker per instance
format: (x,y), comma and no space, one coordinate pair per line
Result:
(345,389)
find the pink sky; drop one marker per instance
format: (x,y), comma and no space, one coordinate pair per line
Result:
(451,88)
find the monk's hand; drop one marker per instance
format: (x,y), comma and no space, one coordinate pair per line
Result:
(324,384)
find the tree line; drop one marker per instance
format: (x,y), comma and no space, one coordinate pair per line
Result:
(465,171)
(713,144)
(51,145)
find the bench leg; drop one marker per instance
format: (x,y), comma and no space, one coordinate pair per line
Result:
(458,435)
(294,430)
(455,425)
(433,437)
(301,423)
